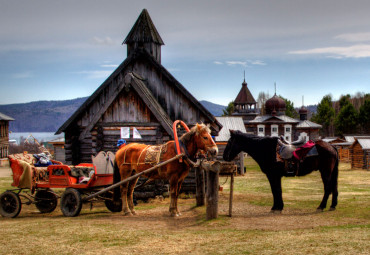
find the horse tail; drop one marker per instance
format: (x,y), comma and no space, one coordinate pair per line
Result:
(116,178)
(335,169)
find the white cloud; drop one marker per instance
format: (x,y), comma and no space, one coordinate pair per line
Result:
(355,51)
(257,62)
(242,63)
(104,41)
(173,69)
(233,63)
(23,75)
(97,74)
(110,65)
(354,37)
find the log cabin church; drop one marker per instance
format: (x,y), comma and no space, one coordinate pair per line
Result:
(140,96)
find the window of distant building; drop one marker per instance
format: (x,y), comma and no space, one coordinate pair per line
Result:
(303,135)
(274,130)
(261,130)
(288,132)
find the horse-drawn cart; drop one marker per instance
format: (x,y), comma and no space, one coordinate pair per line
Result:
(35,185)
(86,183)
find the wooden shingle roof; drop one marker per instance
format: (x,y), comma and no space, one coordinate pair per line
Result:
(244,96)
(143,31)
(233,123)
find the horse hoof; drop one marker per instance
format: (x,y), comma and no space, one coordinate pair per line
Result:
(332,209)
(276,211)
(127,214)
(175,215)
(319,210)
(133,212)
(179,214)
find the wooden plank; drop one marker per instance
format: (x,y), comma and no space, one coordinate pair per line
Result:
(142,132)
(117,126)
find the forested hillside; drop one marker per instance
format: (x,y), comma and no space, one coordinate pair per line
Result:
(48,116)
(40,116)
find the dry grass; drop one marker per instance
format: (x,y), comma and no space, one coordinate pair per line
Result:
(251,230)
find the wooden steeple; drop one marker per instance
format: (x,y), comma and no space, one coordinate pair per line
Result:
(244,101)
(144,36)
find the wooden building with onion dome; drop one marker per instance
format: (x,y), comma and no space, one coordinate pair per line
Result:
(276,123)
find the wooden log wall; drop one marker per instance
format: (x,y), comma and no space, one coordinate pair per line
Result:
(367,160)
(358,157)
(106,135)
(4,139)
(344,154)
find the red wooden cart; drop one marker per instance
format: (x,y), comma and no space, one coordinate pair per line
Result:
(79,182)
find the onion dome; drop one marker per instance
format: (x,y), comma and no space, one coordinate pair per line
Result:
(303,110)
(275,105)
(303,113)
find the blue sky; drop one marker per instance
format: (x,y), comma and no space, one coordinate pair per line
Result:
(57,50)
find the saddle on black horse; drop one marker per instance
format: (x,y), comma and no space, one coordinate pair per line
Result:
(292,153)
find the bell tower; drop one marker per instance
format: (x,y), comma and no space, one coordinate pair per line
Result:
(144,36)
(244,103)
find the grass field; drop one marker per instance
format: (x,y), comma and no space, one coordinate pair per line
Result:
(251,230)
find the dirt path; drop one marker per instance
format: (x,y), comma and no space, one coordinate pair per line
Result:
(5,171)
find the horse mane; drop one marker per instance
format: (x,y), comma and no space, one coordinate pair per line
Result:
(253,137)
(185,138)
(259,148)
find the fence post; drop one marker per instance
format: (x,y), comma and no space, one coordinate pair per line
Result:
(212,194)
(200,186)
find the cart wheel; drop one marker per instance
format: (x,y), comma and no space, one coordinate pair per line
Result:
(113,206)
(10,204)
(71,203)
(46,201)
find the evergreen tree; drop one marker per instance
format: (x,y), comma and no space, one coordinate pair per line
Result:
(325,115)
(289,108)
(364,116)
(229,109)
(344,100)
(347,119)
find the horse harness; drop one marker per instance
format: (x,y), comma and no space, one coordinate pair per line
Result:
(152,156)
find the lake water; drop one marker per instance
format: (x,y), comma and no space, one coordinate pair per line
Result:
(40,136)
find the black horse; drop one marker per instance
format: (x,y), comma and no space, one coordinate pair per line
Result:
(263,151)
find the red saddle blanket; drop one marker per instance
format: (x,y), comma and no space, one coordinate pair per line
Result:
(301,152)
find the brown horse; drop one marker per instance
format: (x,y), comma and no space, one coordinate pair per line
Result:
(135,158)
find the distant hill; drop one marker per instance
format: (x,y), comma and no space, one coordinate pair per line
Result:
(40,116)
(312,108)
(48,116)
(215,109)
